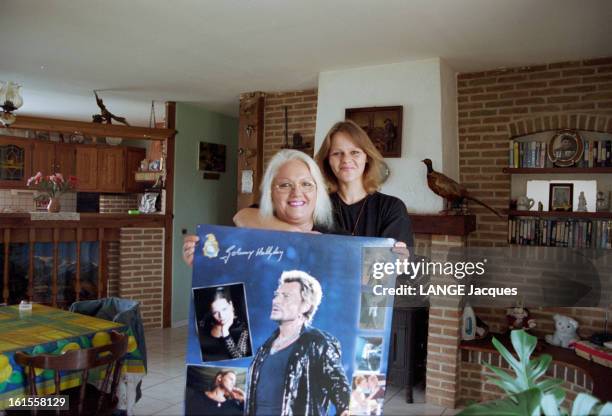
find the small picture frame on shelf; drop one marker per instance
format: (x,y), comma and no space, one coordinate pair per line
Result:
(154,165)
(561,196)
(565,148)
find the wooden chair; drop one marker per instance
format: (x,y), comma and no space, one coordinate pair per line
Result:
(82,398)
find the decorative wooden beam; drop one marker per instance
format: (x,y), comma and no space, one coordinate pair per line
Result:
(91,129)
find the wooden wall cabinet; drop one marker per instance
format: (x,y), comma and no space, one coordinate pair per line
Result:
(87,168)
(108,169)
(111,169)
(15,162)
(98,168)
(49,158)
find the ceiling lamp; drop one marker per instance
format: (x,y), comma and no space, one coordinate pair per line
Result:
(10,100)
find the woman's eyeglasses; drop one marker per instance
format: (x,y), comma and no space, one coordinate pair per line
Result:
(287,187)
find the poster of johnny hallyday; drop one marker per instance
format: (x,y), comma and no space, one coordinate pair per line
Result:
(277,327)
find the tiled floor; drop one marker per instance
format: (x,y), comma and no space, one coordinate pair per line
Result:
(164,385)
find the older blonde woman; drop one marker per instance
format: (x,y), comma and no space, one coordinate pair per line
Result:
(293,197)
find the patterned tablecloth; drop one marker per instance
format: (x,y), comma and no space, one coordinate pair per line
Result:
(50,330)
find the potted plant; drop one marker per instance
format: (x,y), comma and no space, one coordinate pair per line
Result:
(51,187)
(526,395)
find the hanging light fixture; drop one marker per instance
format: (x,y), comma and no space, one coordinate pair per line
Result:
(10,100)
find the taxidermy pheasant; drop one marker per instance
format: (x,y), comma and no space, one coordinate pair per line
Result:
(450,190)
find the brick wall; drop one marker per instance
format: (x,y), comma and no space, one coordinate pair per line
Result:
(141,271)
(118,203)
(494,106)
(475,384)
(302,117)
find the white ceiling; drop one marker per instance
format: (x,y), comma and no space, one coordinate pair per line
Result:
(208,52)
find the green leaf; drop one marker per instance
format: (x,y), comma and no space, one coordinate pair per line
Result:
(549,384)
(514,386)
(606,410)
(583,404)
(526,403)
(524,344)
(539,366)
(510,389)
(507,355)
(549,405)
(559,394)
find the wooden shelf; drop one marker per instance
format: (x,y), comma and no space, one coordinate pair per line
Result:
(561,214)
(556,170)
(147,175)
(91,129)
(443,224)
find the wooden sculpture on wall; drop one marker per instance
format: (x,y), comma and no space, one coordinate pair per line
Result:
(106,116)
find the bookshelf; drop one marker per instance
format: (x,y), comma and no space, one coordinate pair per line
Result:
(562,214)
(512,171)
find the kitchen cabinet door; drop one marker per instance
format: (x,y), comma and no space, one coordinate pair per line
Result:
(87,168)
(43,158)
(111,167)
(65,159)
(15,162)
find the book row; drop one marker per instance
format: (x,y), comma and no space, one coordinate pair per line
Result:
(597,153)
(560,233)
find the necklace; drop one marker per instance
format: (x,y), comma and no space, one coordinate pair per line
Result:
(359,215)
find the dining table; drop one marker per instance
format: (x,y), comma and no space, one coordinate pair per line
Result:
(47,330)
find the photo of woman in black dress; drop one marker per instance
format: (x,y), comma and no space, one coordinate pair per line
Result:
(221,321)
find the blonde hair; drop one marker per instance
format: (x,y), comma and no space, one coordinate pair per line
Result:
(358,380)
(374,173)
(310,290)
(322,214)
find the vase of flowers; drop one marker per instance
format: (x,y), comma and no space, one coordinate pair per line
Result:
(51,187)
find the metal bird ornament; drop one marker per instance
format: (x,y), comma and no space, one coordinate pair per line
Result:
(106,116)
(450,190)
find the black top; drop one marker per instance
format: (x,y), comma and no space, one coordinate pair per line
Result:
(382,216)
(198,403)
(269,397)
(215,349)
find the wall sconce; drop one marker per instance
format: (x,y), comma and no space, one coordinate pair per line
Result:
(10,100)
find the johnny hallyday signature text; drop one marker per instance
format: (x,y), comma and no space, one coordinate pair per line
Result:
(270,252)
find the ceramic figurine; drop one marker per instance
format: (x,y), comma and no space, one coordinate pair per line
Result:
(582,204)
(603,201)
(565,332)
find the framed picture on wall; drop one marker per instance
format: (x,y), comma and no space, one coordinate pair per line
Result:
(561,196)
(211,157)
(383,125)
